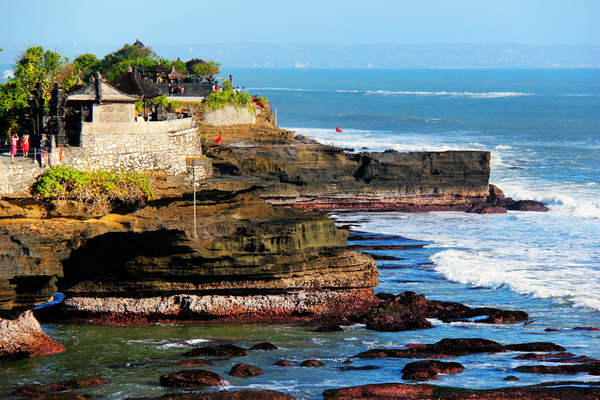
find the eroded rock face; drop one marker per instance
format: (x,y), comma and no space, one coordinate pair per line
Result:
(23,337)
(245,248)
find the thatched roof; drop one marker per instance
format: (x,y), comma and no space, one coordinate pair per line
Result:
(190,64)
(100,91)
(157,69)
(132,82)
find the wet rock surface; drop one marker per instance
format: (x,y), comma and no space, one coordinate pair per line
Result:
(592,368)
(400,391)
(220,350)
(264,346)
(392,316)
(285,363)
(22,337)
(50,390)
(245,370)
(192,377)
(312,364)
(447,311)
(443,349)
(429,369)
(250,394)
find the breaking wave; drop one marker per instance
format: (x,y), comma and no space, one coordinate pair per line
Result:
(473,95)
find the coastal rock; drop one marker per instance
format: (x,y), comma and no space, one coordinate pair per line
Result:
(429,369)
(447,311)
(511,378)
(39,391)
(220,350)
(329,328)
(193,363)
(23,337)
(534,346)
(400,391)
(245,370)
(264,346)
(443,349)
(285,363)
(312,363)
(192,377)
(592,368)
(249,394)
(527,205)
(392,316)
(556,357)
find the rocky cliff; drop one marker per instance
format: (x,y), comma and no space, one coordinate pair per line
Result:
(250,261)
(299,172)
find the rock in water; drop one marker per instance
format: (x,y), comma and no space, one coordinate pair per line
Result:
(245,370)
(192,377)
(221,350)
(392,316)
(264,346)
(312,363)
(23,337)
(429,369)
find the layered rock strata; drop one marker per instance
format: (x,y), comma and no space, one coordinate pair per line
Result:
(299,172)
(249,262)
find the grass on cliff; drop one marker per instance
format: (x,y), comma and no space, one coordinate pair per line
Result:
(98,190)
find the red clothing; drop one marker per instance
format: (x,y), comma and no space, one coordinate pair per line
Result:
(13,145)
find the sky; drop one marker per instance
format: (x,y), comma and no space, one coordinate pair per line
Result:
(79,25)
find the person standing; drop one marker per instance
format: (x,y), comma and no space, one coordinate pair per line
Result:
(13,146)
(25,144)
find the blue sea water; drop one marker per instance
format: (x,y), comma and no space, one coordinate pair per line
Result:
(543,129)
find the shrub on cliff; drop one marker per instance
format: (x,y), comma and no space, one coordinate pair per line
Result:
(98,190)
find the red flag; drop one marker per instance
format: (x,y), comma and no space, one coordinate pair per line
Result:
(338,130)
(219,140)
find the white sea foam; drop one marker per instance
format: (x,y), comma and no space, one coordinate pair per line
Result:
(473,95)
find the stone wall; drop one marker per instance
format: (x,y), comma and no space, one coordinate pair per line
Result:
(140,146)
(115,112)
(229,115)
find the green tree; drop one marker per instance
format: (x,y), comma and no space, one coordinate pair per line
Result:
(36,65)
(179,66)
(126,53)
(88,64)
(207,70)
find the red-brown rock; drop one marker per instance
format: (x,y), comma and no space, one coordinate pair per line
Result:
(23,337)
(399,391)
(250,394)
(534,346)
(442,349)
(220,350)
(592,368)
(245,370)
(193,363)
(312,363)
(392,316)
(264,346)
(429,369)
(192,377)
(285,363)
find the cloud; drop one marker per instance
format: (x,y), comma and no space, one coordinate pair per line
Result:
(301,65)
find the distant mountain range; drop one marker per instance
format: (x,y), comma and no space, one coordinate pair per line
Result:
(263,55)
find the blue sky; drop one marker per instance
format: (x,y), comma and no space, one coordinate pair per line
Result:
(250,33)
(68,22)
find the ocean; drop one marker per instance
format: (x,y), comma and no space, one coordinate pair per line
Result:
(543,129)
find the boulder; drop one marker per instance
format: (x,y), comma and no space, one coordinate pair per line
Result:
(392,316)
(23,337)
(285,363)
(534,346)
(192,377)
(443,349)
(429,369)
(592,368)
(312,363)
(220,350)
(245,370)
(264,346)
(193,363)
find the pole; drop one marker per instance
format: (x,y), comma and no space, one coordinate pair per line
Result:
(195,232)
